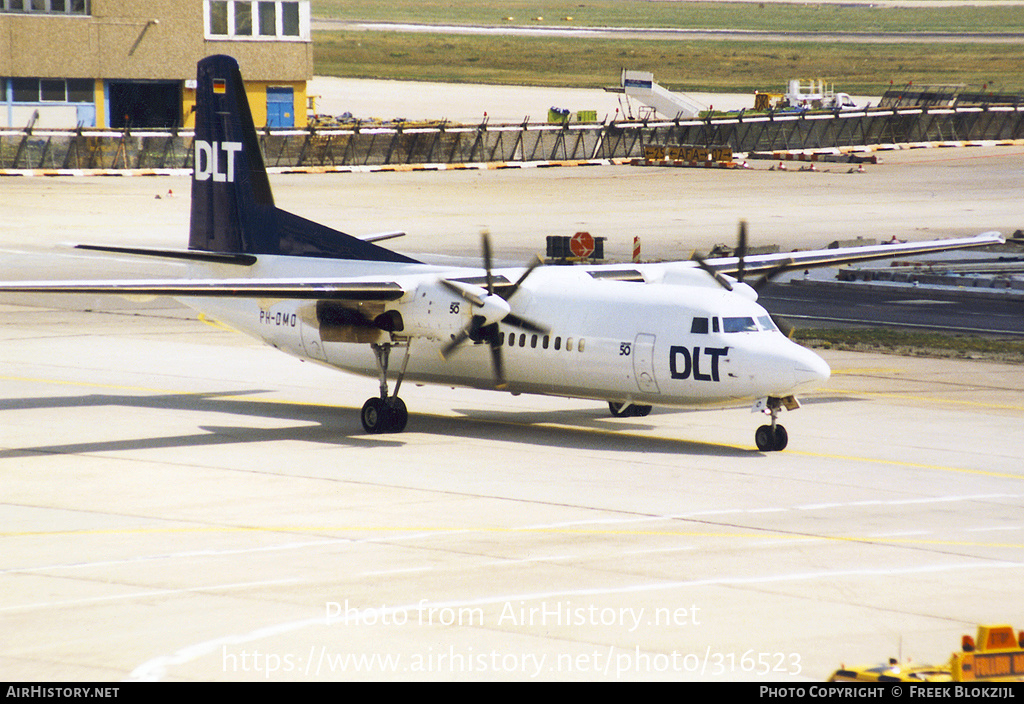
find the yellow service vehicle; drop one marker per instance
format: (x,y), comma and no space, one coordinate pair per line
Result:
(996,656)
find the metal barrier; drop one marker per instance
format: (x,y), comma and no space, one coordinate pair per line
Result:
(382,145)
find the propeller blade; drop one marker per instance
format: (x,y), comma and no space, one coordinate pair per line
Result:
(534,263)
(771,274)
(471,331)
(717,276)
(524,324)
(455,343)
(494,339)
(499,367)
(485,236)
(463,293)
(741,250)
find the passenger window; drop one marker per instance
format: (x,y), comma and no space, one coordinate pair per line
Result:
(522,340)
(579,347)
(558,343)
(533,342)
(568,344)
(545,342)
(699,326)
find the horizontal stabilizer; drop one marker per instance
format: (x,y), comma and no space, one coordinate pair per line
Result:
(186,254)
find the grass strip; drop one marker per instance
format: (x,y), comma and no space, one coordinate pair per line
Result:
(926,344)
(767,16)
(706,66)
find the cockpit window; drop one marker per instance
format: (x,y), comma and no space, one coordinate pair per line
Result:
(767,323)
(739,325)
(700,325)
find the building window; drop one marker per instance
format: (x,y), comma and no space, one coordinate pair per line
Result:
(52,90)
(46,7)
(268,19)
(218,16)
(256,19)
(81,90)
(243,19)
(290,19)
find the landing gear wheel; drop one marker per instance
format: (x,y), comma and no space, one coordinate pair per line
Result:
(375,416)
(627,410)
(384,415)
(399,414)
(781,438)
(770,439)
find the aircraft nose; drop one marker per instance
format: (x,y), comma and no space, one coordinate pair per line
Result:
(809,370)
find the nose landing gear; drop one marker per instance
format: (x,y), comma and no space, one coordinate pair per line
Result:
(773,437)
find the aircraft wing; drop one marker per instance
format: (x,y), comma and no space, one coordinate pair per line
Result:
(340,290)
(789,261)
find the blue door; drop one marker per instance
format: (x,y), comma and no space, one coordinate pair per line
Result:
(280,107)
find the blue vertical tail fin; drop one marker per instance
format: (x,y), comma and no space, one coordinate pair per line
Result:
(233,209)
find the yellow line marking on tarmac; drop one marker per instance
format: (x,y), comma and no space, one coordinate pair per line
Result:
(214,323)
(929,399)
(94,385)
(854,371)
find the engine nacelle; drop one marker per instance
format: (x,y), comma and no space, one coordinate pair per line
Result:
(433,311)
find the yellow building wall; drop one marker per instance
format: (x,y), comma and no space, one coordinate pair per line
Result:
(256,93)
(147,40)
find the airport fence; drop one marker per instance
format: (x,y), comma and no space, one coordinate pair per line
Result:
(362,144)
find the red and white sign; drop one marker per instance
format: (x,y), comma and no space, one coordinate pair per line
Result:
(581,245)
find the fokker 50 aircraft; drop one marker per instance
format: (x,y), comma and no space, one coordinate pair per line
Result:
(683,334)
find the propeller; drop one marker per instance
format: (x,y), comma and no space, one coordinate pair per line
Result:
(785,327)
(741,254)
(491,309)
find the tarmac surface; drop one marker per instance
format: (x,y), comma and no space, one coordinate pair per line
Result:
(182,503)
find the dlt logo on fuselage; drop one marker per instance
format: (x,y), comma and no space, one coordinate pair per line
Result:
(208,160)
(681,362)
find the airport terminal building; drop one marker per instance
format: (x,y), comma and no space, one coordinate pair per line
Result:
(132,63)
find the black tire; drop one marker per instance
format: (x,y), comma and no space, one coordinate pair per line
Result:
(764,438)
(399,415)
(781,438)
(628,410)
(619,410)
(375,416)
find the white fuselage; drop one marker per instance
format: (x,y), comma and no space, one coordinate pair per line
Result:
(611,340)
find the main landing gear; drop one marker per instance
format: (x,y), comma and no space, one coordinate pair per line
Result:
(773,437)
(386,414)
